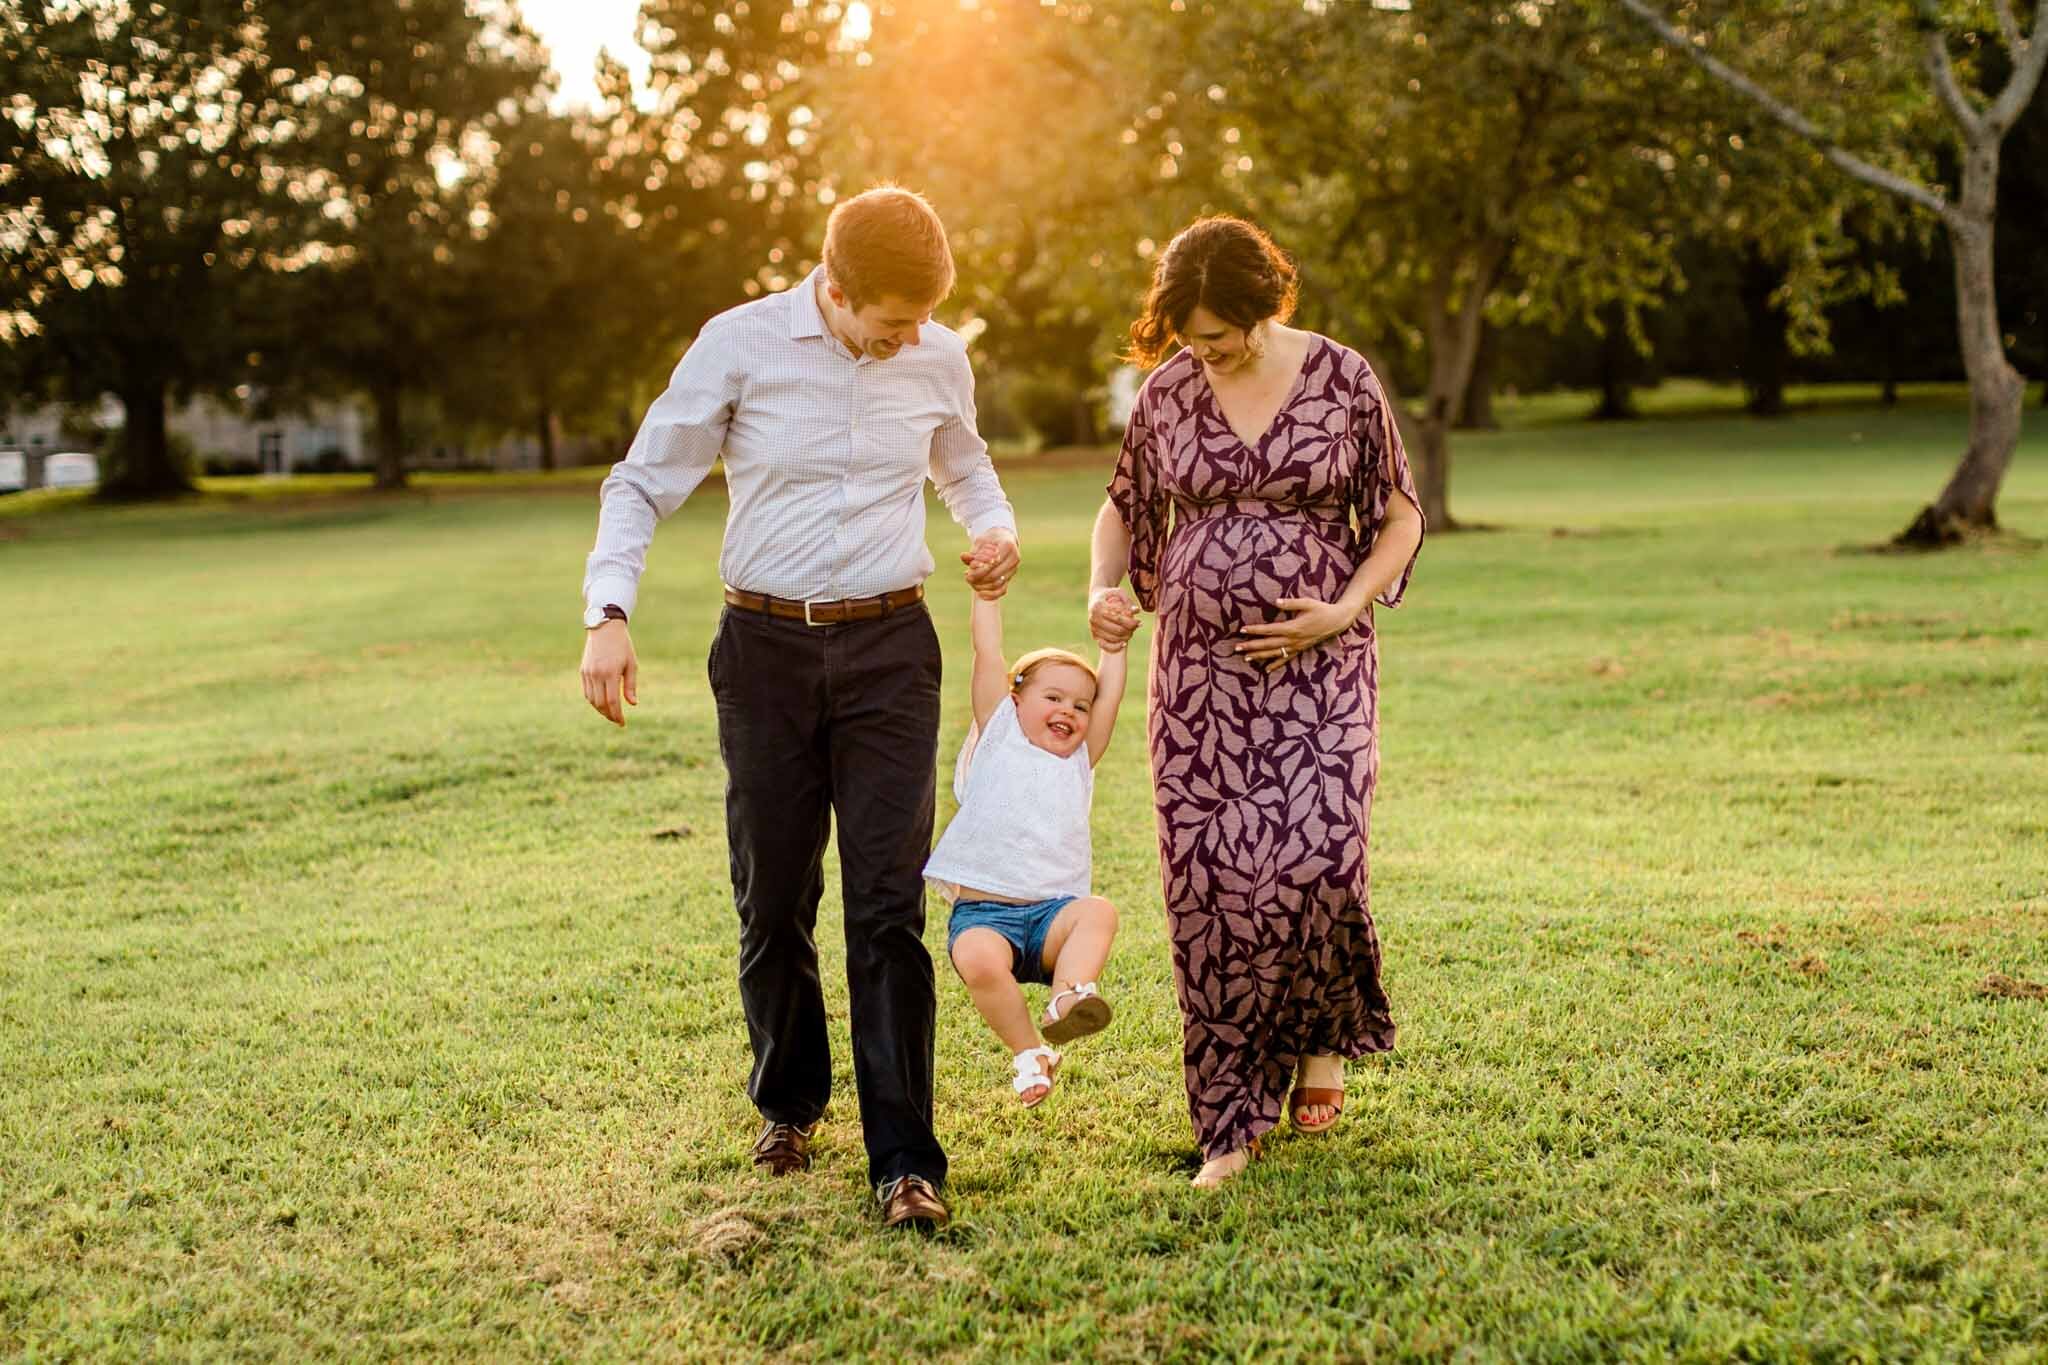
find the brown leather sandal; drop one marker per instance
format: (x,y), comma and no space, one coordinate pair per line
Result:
(1307,1097)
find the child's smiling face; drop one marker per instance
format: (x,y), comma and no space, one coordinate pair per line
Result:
(1053,706)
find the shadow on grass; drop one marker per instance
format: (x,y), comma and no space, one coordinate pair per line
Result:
(1999,541)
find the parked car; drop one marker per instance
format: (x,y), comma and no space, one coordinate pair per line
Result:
(71,469)
(13,471)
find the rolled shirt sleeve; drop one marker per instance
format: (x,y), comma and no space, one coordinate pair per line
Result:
(961,470)
(678,442)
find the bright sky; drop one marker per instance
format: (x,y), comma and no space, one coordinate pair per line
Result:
(574,30)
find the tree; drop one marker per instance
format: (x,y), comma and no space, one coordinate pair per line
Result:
(151,189)
(1978,123)
(1420,160)
(2023,239)
(405,157)
(725,155)
(1055,195)
(561,288)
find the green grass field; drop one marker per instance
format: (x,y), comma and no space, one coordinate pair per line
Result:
(363,995)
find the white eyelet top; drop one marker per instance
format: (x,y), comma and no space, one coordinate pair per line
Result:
(1022,829)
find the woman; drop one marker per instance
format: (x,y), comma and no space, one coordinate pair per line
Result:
(1261,501)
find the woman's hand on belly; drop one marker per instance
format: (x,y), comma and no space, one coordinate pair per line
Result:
(1311,621)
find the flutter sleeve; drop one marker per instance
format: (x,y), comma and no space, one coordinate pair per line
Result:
(1382,468)
(1134,489)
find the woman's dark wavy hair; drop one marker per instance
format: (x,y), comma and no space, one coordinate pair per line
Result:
(1224,264)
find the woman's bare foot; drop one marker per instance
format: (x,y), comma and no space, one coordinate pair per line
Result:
(1317,1073)
(1222,1168)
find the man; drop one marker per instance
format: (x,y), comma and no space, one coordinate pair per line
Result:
(830,403)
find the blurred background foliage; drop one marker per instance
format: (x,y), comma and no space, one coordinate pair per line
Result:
(272,203)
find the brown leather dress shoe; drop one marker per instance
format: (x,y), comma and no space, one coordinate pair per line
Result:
(784,1148)
(913,1200)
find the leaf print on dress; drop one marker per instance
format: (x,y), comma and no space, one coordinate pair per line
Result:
(1262,782)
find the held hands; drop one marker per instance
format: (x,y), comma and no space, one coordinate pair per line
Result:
(611,672)
(992,563)
(1271,645)
(1112,618)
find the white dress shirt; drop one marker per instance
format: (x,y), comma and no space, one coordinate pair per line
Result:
(825,457)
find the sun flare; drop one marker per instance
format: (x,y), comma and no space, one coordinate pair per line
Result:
(576,31)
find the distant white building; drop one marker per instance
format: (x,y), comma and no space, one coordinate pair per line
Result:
(40,430)
(327,435)
(330,433)
(36,452)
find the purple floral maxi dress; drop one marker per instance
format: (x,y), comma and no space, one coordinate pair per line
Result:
(1263,781)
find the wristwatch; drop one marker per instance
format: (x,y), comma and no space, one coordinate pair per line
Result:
(593,617)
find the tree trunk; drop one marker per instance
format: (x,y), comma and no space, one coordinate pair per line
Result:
(1433,471)
(1998,392)
(1433,467)
(145,469)
(1084,431)
(1764,350)
(1617,395)
(544,427)
(390,436)
(1475,409)
(1617,399)
(1453,338)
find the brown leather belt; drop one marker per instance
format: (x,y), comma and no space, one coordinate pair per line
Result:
(826,613)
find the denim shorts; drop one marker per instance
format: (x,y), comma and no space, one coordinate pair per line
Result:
(1023,926)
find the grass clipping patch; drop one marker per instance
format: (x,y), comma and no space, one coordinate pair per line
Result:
(1999,986)
(724,1238)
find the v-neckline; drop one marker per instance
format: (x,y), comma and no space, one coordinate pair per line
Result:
(1286,399)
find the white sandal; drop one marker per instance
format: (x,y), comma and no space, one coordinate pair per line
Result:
(1035,1068)
(1089,1013)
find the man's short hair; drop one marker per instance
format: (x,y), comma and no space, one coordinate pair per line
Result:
(888,241)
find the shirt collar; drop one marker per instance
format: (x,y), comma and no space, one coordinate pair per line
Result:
(804,318)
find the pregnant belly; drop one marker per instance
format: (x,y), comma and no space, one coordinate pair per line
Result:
(1223,573)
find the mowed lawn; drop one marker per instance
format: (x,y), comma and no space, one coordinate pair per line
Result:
(363,995)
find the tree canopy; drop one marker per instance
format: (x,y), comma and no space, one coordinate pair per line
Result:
(1978,69)
(270,201)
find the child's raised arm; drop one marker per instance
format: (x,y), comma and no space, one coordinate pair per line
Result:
(1110,669)
(991,678)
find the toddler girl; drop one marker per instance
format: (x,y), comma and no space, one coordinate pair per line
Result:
(1015,860)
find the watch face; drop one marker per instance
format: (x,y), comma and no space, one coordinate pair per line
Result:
(593,617)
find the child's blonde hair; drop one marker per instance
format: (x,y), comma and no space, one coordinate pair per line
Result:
(1027,664)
